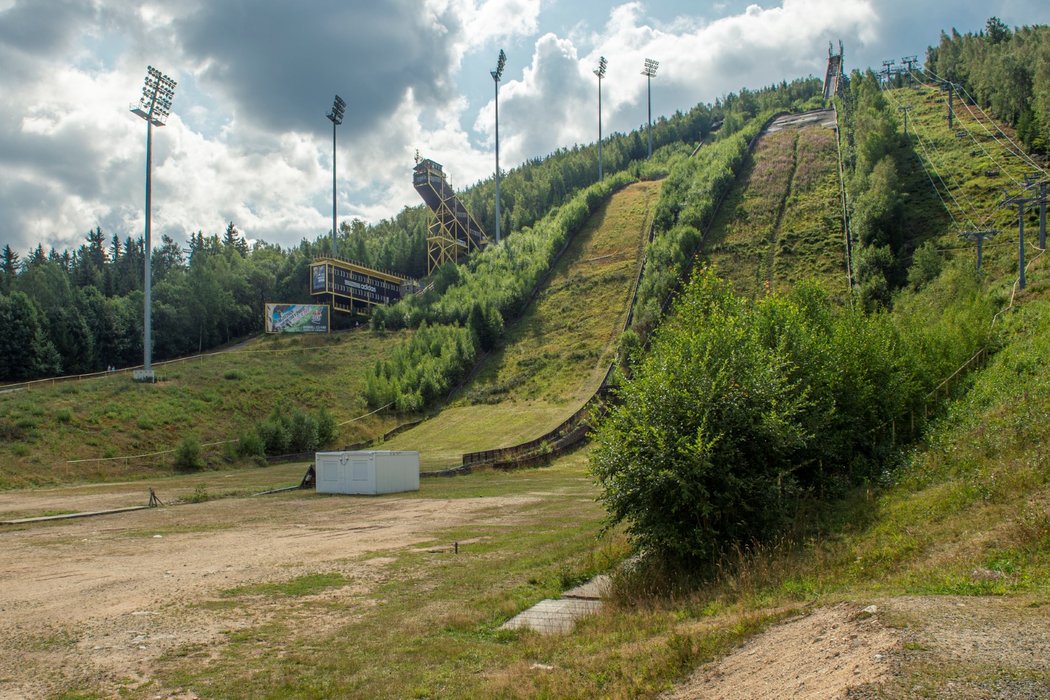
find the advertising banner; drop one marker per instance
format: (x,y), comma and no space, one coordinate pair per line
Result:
(357,285)
(318,279)
(297,318)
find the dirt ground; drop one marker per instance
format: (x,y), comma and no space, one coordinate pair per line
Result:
(95,602)
(964,648)
(817,656)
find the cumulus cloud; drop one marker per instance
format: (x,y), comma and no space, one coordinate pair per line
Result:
(553,104)
(248,142)
(490,20)
(279,63)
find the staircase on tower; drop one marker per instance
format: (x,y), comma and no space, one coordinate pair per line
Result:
(453,233)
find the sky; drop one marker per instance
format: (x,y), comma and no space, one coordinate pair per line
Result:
(248,141)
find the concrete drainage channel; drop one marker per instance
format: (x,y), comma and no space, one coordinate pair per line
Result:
(558,616)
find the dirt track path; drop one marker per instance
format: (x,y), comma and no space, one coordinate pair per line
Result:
(97,601)
(964,648)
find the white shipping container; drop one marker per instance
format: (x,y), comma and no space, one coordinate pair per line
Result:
(369,472)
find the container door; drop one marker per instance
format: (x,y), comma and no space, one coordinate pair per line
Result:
(363,476)
(328,478)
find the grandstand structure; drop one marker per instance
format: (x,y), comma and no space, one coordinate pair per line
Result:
(453,233)
(834,77)
(352,288)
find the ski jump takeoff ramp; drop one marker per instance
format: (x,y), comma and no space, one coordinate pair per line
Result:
(454,233)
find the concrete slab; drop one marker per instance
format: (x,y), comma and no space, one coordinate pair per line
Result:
(553,616)
(595,589)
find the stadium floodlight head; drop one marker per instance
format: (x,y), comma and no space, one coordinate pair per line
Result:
(501,62)
(338,110)
(650,68)
(600,70)
(154,106)
(155,103)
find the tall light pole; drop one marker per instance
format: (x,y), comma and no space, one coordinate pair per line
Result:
(496,75)
(600,72)
(154,106)
(336,115)
(649,71)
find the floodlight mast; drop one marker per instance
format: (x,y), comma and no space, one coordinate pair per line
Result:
(649,71)
(154,106)
(501,62)
(600,72)
(336,115)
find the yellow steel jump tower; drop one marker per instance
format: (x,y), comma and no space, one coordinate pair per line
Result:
(454,232)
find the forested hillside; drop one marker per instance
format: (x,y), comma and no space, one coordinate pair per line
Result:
(1007,71)
(81,311)
(751,408)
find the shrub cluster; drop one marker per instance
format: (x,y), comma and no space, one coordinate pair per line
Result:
(288,433)
(743,407)
(423,369)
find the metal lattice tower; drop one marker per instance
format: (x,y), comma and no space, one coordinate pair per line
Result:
(454,232)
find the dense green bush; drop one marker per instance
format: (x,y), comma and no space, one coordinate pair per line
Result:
(423,369)
(188,455)
(283,433)
(742,407)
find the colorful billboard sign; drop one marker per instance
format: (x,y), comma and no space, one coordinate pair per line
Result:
(297,318)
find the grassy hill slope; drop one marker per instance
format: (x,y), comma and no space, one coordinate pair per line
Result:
(782,221)
(549,363)
(961,521)
(555,357)
(213,398)
(967,168)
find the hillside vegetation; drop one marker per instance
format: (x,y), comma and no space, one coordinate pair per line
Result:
(220,397)
(782,222)
(78,311)
(772,453)
(555,356)
(952,492)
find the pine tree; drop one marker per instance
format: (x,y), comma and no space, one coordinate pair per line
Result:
(232,240)
(8,268)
